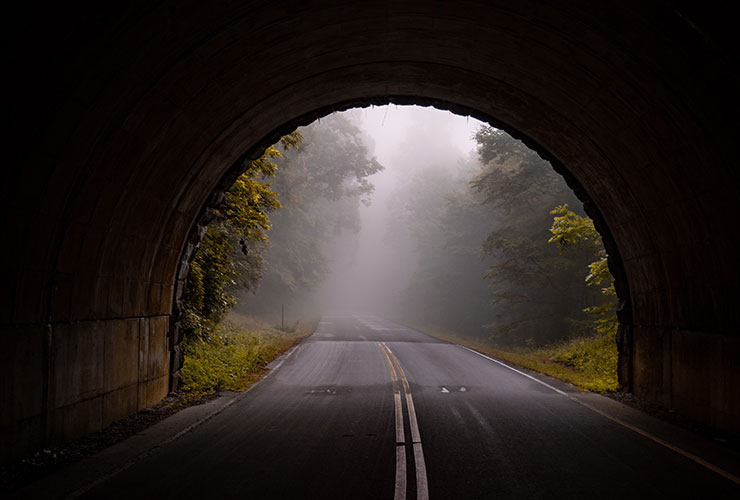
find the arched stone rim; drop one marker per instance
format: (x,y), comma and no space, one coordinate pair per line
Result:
(206,215)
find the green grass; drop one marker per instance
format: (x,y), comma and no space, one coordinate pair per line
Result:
(589,363)
(235,357)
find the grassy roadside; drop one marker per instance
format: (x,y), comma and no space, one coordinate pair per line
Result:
(237,354)
(588,363)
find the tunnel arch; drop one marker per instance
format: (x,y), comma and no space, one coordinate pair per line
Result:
(126,123)
(206,215)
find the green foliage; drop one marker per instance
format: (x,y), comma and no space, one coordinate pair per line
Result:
(321,186)
(230,357)
(570,230)
(247,203)
(595,357)
(513,178)
(241,223)
(490,218)
(212,275)
(497,146)
(535,291)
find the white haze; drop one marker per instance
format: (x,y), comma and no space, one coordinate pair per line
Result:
(368,273)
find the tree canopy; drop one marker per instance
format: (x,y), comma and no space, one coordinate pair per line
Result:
(322,185)
(570,230)
(229,255)
(480,231)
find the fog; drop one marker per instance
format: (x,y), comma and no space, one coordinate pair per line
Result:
(371,270)
(422,216)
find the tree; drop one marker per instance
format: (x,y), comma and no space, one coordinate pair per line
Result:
(321,186)
(229,255)
(570,230)
(535,291)
(446,222)
(480,231)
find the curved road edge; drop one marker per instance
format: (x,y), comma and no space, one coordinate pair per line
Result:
(78,478)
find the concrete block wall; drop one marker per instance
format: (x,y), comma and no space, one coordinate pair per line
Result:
(695,373)
(71,379)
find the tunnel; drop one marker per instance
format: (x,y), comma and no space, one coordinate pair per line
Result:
(126,125)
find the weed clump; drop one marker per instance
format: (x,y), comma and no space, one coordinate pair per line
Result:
(231,358)
(595,358)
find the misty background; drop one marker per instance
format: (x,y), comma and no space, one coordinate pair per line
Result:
(425,217)
(372,269)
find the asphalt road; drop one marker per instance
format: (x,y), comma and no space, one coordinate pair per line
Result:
(366,408)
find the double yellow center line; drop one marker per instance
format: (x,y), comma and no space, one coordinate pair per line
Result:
(422,488)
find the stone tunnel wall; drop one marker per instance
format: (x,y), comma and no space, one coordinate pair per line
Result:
(68,380)
(124,123)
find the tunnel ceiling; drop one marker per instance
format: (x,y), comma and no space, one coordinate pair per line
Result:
(124,123)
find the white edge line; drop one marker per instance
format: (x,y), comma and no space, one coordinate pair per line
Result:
(519,372)
(616,420)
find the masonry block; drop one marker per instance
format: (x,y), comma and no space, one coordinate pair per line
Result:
(119,403)
(77,353)
(158,356)
(648,366)
(22,365)
(154,360)
(20,437)
(706,375)
(725,377)
(692,354)
(156,390)
(75,420)
(121,354)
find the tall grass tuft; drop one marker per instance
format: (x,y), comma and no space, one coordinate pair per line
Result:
(595,358)
(232,358)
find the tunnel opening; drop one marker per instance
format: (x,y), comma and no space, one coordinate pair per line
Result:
(210,210)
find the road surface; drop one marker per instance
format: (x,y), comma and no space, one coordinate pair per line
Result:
(366,408)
